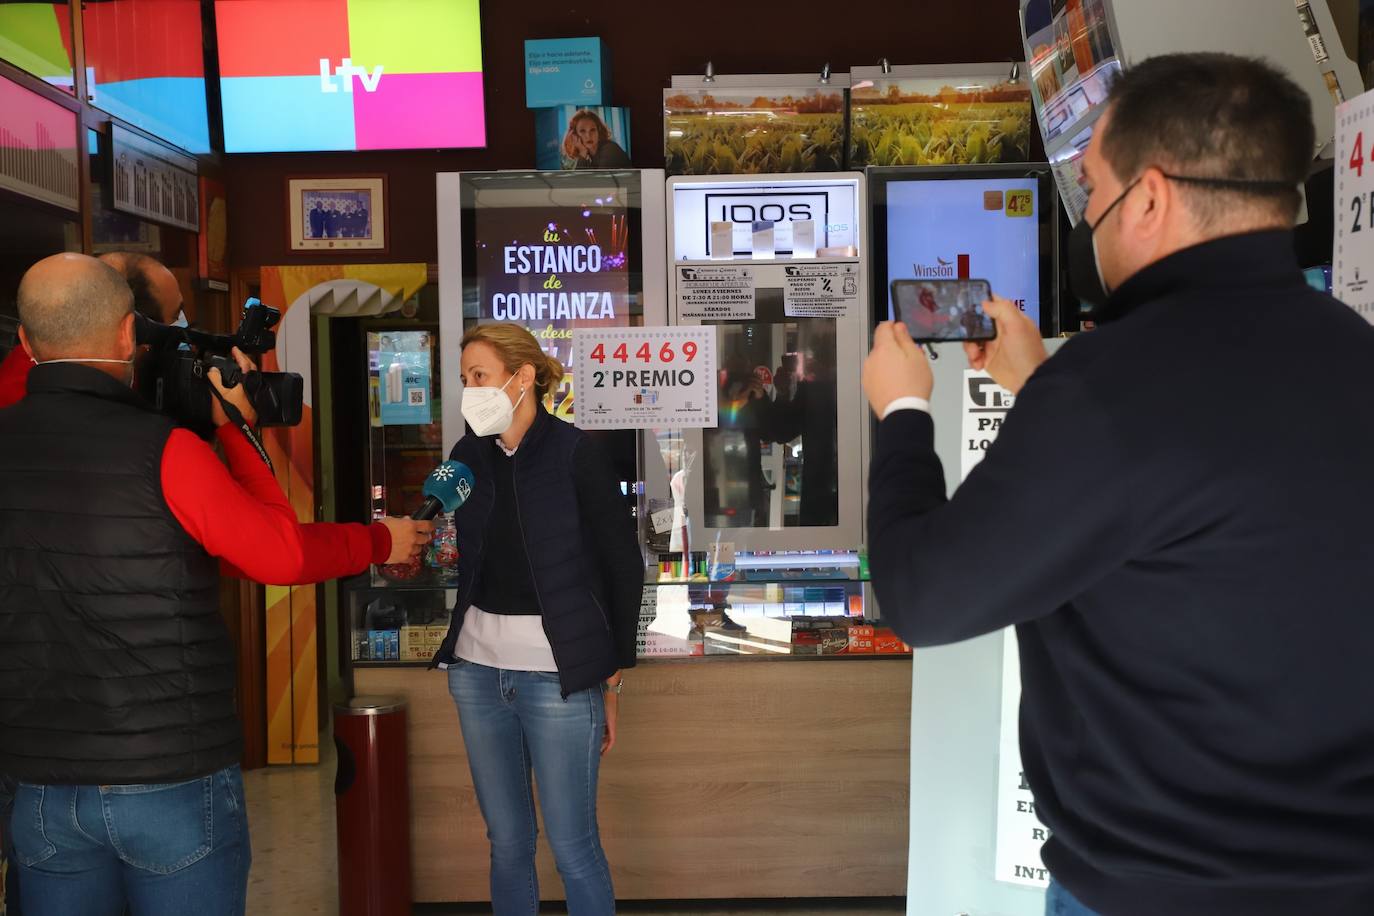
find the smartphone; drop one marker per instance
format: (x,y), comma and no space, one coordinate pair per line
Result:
(938,310)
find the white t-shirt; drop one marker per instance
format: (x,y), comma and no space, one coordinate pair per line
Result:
(515,642)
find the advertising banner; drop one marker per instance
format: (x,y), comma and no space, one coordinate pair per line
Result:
(643,378)
(551,270)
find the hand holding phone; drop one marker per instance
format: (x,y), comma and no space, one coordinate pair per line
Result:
(943,310)
(1017,352)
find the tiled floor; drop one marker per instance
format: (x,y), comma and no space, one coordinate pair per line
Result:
(291,816)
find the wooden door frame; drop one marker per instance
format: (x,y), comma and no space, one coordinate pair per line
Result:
(251,634)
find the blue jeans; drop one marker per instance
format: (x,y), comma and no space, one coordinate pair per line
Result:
(515,723)
(164,850)
(1059,902)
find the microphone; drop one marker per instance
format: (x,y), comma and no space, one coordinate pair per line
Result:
(447,487)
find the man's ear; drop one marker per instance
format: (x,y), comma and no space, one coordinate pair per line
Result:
(24,342)
(128,337)
(1159,195)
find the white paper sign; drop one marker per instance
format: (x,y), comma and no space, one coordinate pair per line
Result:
(1019,832)
(645,378)
(1352,274)
(715,293)
(985,408)
(820,290)
(662,521)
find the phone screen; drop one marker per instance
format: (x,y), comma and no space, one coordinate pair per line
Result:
(935,310)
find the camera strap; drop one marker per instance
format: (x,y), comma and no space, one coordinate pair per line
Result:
(236,417)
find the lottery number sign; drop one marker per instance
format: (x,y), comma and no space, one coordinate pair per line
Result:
(641,378)
(1353,266)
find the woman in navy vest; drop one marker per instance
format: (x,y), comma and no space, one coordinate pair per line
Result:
(551,577)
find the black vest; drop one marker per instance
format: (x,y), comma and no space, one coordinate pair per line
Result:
(115,667)
(571,591)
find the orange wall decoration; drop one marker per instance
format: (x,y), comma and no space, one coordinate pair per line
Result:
(292,690)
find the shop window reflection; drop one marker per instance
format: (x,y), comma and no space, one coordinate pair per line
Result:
(772,460)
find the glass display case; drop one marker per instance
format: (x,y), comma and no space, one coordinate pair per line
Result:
(806,604)
(405,439)
(793,604)
(392,622)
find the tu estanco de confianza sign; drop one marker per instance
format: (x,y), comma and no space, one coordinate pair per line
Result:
(645,378)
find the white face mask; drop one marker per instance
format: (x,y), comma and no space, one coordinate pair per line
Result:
(488,411)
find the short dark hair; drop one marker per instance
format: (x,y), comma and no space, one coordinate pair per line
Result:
(138,273)
(1213,116)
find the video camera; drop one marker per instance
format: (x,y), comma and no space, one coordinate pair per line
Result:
(174,376)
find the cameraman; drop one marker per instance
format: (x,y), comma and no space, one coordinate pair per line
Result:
(116,671)
(330,550)
(156,295)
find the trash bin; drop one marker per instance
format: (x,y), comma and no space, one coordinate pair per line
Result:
(372,803)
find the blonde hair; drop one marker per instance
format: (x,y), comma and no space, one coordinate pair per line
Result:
(516,347)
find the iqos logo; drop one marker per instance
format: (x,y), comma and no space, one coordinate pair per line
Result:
(773,213)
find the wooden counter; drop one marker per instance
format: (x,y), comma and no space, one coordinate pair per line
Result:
(732,778)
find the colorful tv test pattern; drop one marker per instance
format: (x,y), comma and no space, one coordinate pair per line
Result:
(310,75)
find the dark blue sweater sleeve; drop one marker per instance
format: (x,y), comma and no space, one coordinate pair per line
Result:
(1043,517)
(615,546)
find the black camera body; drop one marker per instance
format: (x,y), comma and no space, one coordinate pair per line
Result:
(174,375)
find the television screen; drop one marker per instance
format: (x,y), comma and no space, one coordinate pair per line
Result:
(145,63)
(315,75)
(37,37)
(995,223)
(828,206)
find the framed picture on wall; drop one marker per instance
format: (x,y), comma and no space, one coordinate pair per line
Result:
(337,214)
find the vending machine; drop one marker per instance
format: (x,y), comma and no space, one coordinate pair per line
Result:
(777,264)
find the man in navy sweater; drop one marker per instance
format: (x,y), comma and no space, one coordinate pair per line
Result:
(1182,498)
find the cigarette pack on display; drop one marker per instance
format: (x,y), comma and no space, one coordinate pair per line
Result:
(806,642)
(722,241)
(765,246)
(362,647)
(886,642)
(861,640)
(834,641)
(416,643)
(804,238)
(435,634)
(377,640)
(393,645)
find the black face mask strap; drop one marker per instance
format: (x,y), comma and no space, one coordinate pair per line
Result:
(1254,185)
(236,417)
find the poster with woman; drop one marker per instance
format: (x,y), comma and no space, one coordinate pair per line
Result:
(571,137)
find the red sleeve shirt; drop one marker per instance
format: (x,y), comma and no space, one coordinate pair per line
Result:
(240,515)
(14,376)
